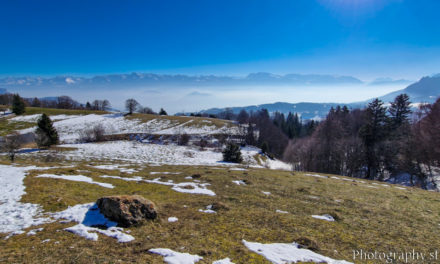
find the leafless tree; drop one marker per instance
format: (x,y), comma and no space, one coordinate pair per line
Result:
(131,105)
(11,144)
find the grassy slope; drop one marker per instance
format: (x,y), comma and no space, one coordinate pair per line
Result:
(383,219)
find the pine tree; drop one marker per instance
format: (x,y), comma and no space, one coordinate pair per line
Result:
(400,110)
(372,133)
(88,106)
(18,106)
(46,133)
(232,153)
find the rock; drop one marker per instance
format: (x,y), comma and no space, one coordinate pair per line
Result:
(219,206)
(127,210)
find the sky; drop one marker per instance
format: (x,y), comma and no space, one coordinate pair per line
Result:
(363,38)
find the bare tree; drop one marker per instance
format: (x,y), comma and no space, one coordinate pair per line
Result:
(11,145)
(131,105)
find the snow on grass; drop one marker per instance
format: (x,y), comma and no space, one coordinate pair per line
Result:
(69,126)
(163,172)
(281,211)
(173,257)
(237,169)
(208,210)
(137,178)
(283,253)
(266,193)
(88,217)
(34,231)
(154,154)
(77,178)
(172,219)
(16,216)
(186,187)
(223,261)
(316,175)
(114,167)
(240,182)
(325,217)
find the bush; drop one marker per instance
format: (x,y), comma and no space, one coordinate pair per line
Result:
(232,153)
(46,133)
(183,139)
(94,134)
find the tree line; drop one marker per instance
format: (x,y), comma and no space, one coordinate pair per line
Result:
(376,142)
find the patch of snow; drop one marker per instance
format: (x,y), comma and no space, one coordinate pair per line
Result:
(283,253)
(266,193)
(137,178)
(223,261)
(163,172)
(325,217)
(45,241)
(281,211)
(77,178)
(16,216)
(208,210)
(173,257)
(186,187)
(114,167)
(88,217)
(240,182)
(317,176)
(238,169)
(172,219)
(34,231)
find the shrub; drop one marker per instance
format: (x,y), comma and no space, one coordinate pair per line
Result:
(94,134)
(183,139)
(232,153)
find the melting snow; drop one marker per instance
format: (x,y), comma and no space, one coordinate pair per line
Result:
(240,182)
(89,217)
(173,257)
(325,217)
(172,219)
(186,187)
(317,176)
(282,253)
(16,216)
(266,193)
(281,212)
(78,178)
(34,231)
(223,261)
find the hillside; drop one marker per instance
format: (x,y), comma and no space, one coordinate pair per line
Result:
(257,205)
(69,123)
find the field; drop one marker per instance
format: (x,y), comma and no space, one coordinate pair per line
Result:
(253,202)
(368,216)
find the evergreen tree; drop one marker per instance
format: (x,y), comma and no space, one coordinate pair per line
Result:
(18,106)
(232,153)
(400,110)
(46,133)
(36,102)
(88,106)
(373,132)
(162,112)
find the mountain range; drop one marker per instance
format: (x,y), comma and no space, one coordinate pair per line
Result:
(149,79)
(426,90)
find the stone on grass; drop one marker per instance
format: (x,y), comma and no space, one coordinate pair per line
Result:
(127,210)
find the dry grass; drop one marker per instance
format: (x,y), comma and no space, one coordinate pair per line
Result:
(382,218)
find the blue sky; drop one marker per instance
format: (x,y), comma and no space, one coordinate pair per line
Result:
(363,38)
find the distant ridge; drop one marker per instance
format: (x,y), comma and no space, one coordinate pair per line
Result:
(426,90)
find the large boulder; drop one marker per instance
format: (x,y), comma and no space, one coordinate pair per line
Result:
(127,210)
